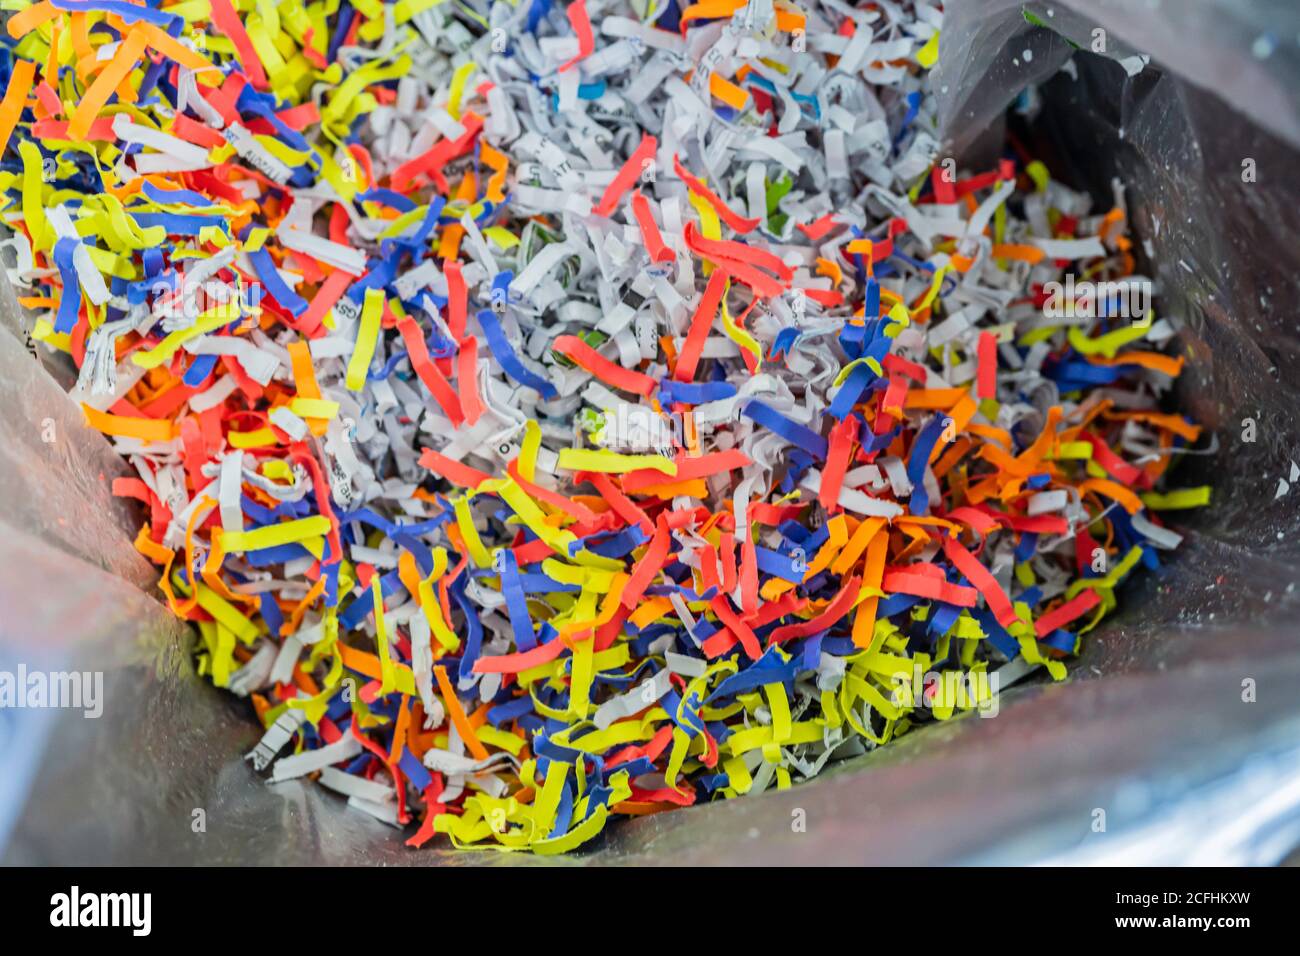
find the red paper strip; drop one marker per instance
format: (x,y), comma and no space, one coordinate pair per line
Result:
(454,471)
(727,552)
(818,228)
(701,323)
(620,503)
(581,23)
(739,629)
(467,379)
(840,605)
(987,380)
(729,252)
(913,582)
(628,175)
(978,575)
(418,352)
(1118,468)
(896,363)
(227,22)
(839,449)
(650,235)
(1062,615)
(574,509)
(656,557)
(331,290)
(608,372)
(457,299)
(432,162)
(979,520)
(514,663)
(749,576)
(689,467)
(738,223)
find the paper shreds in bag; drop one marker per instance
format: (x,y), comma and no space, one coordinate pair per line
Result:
(548,413)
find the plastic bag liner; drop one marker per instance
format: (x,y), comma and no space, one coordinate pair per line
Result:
(1177,737)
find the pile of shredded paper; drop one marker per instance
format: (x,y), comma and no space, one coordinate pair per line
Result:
(548,413)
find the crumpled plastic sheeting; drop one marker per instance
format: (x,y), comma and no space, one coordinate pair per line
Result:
(1209,45)
(73,591)
(55,475)
(1233,375)
(1225,254)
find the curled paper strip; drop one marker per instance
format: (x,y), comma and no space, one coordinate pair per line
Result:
(549,413)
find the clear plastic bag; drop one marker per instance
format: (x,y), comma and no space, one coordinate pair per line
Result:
(1178,729)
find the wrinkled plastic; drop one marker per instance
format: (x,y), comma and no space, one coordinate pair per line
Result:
(1177,738)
